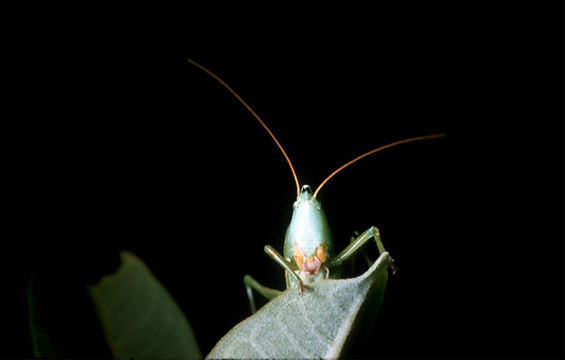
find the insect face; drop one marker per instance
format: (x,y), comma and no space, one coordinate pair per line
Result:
(308,238)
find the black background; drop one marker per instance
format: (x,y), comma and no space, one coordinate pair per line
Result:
(119,143)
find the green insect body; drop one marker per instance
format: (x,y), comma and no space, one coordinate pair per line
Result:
(309,254)
(308,241)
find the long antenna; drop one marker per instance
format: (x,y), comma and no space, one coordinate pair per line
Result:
(217,78)
(372,152)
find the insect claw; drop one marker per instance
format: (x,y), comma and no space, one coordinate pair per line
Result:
(301,288)
(393,266)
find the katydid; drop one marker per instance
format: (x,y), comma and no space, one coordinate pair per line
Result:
(309,254)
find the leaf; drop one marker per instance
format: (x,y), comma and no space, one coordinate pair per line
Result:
(139,317)
(316,325)
(62,318)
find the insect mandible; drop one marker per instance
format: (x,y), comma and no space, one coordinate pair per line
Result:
(309,254)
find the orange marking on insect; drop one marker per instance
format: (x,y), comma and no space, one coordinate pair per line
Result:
(310,264)
(321,253)
(298,257)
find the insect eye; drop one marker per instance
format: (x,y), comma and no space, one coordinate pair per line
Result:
(306,190)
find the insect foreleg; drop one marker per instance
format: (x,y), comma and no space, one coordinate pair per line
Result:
(286,265)
(355,245)
(252,284)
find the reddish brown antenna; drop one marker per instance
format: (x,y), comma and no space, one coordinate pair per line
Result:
(372,152)
(217,78)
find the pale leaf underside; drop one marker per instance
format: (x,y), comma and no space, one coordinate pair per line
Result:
(315,325)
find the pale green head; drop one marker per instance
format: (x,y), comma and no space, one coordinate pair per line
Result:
(308,226)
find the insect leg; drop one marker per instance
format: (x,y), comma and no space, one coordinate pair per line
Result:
(286,265)
(252,284)
(363,253)
(373,232)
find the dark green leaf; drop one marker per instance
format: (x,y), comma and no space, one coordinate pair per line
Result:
(139,317)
